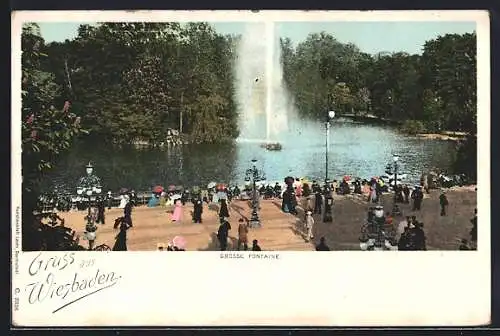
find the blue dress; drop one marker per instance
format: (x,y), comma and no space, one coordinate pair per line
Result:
(153,201)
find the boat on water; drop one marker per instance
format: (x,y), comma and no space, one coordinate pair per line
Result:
(272,146)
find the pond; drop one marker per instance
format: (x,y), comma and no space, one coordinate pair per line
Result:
(355,149)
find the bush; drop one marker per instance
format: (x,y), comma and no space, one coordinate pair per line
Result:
(413,127)
(466,159)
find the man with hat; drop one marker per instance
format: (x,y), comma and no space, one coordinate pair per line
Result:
(197,209)
(318,201)
(223,233)
(109,199)
(277,190)
(315,187)
(406,192)
(417,197)
(242,234)
(443,201)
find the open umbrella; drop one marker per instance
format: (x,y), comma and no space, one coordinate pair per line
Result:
(158,189)
(347,178)
(179,242)
(175,197)
(171,187)
(211,185)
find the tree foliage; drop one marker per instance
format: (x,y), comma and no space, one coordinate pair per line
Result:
(437,88)
(137,80)
(46,132)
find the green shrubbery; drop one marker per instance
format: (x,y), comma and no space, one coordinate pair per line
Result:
(413,127)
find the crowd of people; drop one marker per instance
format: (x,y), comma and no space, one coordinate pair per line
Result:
(410,233)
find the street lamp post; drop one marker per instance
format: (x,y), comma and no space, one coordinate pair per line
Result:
(373,236)
(255,175)
(327,216)
(89,185)
(395,207)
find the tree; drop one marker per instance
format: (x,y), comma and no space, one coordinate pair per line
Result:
(362,100)
(450,71)
(137,80)
(47,131)
(341,95)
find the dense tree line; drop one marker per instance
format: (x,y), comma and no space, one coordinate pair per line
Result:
(136,80)
(431,92)
(436,90)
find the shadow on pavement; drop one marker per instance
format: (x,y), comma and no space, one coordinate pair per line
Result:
(213,244)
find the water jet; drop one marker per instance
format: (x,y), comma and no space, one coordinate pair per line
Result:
(263,102)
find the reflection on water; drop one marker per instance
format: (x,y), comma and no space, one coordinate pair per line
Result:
(355,149)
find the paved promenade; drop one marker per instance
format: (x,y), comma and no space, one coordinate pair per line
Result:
(153,226)
(284,232)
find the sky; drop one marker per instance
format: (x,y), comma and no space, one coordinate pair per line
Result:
(370,37)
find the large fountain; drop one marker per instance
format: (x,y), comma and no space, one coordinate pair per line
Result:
(264,105)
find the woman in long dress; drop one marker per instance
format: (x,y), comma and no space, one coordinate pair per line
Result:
(123,202)
(224,211)
(163,199)
(121,238)
(153,201)
(309,225)
(177,214)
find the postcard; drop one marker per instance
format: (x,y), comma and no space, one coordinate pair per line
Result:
(278,150)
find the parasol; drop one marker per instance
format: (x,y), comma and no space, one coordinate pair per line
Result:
(158,189)
(179,242)
(171,187)
(347,178)
(175,197)
(211,185)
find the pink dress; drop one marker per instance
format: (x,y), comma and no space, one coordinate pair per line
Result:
(176,216)
(298,190)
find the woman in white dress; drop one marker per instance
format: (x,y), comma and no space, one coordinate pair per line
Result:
(309,225)
(123,201)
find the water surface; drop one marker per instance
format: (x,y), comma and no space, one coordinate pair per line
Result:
(355,149)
